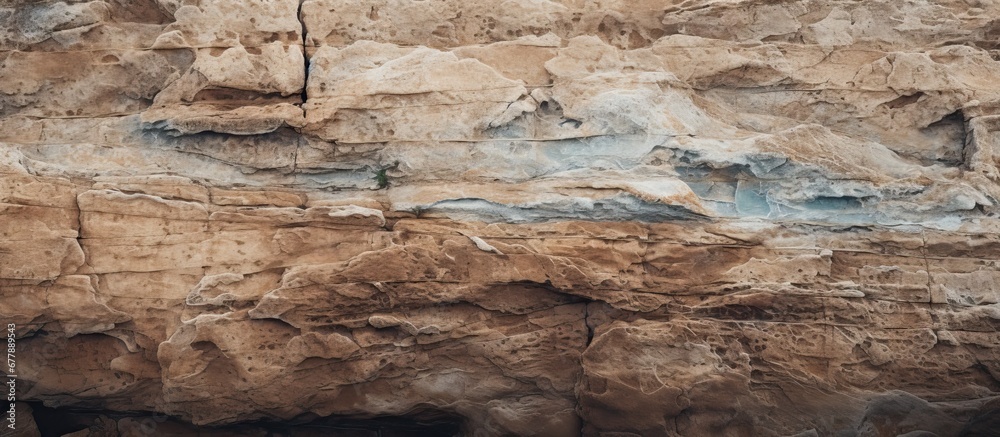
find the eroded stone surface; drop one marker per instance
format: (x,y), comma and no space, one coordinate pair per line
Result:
(515,218)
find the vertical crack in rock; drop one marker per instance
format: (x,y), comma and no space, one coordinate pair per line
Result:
(305,57)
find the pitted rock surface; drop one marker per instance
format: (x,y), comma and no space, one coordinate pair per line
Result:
(550,218)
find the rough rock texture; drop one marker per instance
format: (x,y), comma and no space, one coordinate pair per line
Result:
(552,218)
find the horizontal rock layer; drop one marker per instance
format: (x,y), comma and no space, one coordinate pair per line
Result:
(611,218)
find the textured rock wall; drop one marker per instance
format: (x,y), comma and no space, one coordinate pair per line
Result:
(554,218)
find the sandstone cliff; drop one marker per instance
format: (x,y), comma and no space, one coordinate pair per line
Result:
(531,217)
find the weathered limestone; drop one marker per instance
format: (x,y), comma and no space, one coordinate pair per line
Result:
(553,218)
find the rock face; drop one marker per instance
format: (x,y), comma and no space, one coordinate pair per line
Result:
(552,218)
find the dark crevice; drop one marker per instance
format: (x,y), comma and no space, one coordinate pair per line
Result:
(905,100)
(305,57)
(950,130)
(56,422)
(590,327)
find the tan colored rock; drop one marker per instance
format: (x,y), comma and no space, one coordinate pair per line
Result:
(552,218)
(393,91)
(246,120)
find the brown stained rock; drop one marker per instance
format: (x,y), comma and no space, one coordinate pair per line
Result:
(551,218)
